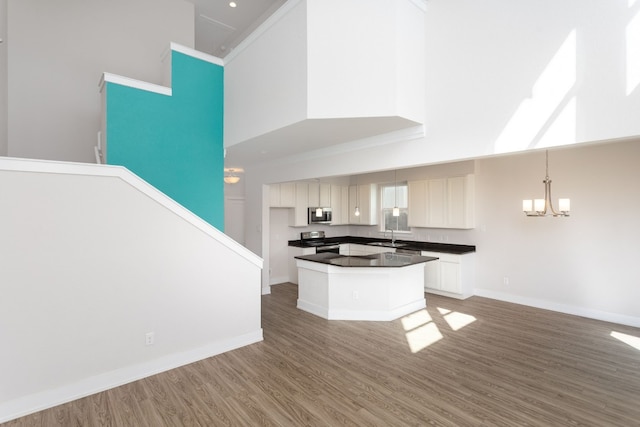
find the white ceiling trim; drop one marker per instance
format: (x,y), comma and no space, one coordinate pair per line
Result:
(196,54)
(137,84)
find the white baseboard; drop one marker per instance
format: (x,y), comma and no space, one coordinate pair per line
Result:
(278,280)
(313,308)
(561,308)
(47,399)
(448,294)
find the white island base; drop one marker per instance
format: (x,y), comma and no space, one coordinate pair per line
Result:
(360,293)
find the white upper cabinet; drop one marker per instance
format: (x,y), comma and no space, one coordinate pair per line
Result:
(288,194)
(436,202)
(442,202)
(339,204)
(313,199)
(319,195)
(461,202)
(274,195)
(325,195)
(418,216)
(328,85)
(282,195)
(298,215)
(365,198)
(344,205)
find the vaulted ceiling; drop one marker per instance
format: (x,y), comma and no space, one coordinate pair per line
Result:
(219,27)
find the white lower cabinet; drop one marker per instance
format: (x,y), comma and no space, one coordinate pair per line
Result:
(355,249)
(431,272)
(451,275)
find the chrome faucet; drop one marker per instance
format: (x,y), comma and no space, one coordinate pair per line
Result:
(393,239)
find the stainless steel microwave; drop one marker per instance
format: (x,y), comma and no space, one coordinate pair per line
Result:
(323,218)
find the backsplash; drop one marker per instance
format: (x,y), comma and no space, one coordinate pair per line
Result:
(437,235)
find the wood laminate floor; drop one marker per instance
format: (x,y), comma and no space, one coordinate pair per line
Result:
(477,362)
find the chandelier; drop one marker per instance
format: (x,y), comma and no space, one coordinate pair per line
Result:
(544,207)
(230,176)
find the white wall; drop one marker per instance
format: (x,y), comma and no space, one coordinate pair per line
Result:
(370,56)
(309,77)
(505,76)
(92,259)
(498,80)
(234,210)
(57,53)
(586,264)
(278,248)
(3,78)
(267,68)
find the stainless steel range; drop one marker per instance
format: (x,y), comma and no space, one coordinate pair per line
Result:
(316,239)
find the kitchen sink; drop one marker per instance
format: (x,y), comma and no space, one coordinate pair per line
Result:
(387,244)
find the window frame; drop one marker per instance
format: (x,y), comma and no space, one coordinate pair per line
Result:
(403,210)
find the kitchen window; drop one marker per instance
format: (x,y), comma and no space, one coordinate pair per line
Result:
(394,195)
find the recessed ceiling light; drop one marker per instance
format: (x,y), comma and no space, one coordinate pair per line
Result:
(232,4)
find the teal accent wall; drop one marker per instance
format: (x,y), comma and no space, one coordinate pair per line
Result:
(174,142)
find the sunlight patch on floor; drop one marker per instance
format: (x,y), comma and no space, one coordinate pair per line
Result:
(627,339)
(415,320)
(423,336)
(421,331)
(458,321)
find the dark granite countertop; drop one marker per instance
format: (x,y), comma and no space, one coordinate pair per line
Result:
(387,259)
(406,244)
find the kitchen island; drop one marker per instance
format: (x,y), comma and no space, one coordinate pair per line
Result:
(382,286)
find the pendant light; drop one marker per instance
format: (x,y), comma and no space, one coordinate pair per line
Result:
(356,211)
(396,209)
(539,207)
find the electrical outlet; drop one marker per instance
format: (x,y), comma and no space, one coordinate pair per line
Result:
(505,280)
(149,338)
(355,295)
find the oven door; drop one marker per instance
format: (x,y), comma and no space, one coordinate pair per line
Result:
(333,249)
